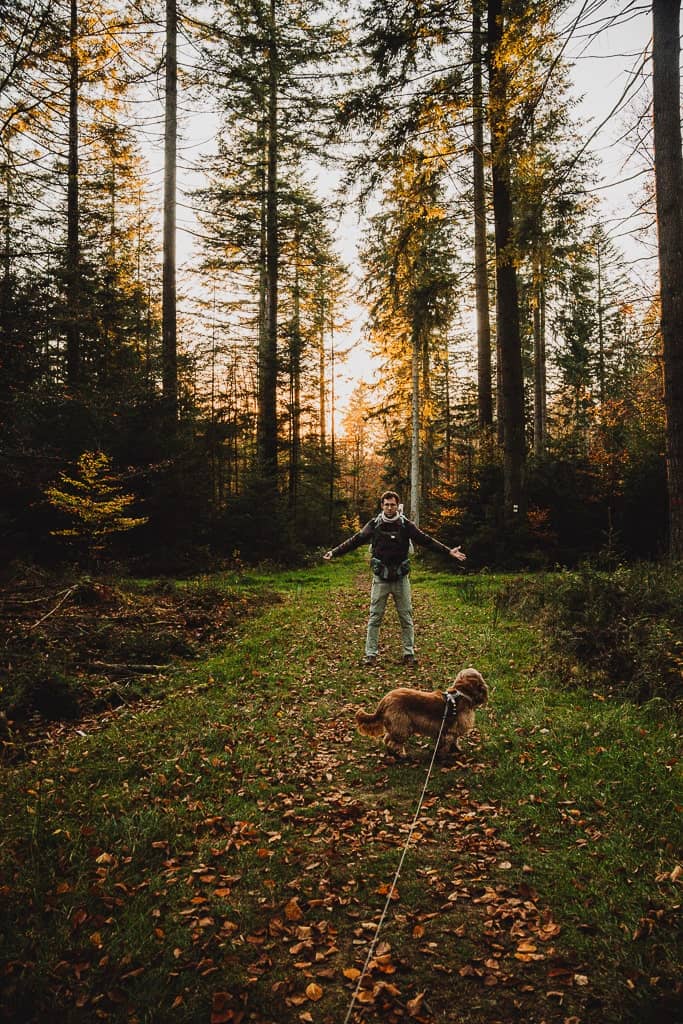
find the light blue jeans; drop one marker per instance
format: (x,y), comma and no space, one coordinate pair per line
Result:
(379,595)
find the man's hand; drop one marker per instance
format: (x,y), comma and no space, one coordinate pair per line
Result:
(327,556)
(457,553)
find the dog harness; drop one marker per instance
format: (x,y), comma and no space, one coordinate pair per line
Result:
(451,698)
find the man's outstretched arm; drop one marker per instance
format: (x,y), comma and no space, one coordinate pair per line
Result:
(363,536)
(418,536)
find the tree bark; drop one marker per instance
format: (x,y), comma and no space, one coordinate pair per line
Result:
(73,268)
(511,401)
(415,433)
(169,354)
(321,375)
(481,280)
(540,391)
(263,270)
(601,329)
(268,353)
(666,90)
(7,355)
(295,382)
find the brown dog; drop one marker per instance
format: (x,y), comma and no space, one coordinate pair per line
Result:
(405,711)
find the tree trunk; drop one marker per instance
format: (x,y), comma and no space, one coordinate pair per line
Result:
(415,433)
(295,384)
(73,268)
(7,353)
(481,280)
(321,385)
(321,364)
(333,454)
(427,453)
(449,429)
(540,417)
(666,91)
(263,272)
(169,352)
(268,353)
(511,401)
(601,331)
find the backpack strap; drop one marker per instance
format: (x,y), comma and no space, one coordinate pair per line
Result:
(378,519)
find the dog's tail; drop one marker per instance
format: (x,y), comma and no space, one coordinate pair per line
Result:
(370,725)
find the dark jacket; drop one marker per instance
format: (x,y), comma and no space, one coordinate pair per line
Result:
(390,542)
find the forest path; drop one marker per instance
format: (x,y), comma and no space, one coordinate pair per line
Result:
(465,916)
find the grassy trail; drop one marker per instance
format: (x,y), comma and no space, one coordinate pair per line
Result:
(223,853)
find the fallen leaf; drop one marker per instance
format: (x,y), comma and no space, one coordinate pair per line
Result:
(314,992)
(414,1006)
(221,1011)
(293,911)
(548,931)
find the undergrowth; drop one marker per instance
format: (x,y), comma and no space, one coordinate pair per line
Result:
(620,632)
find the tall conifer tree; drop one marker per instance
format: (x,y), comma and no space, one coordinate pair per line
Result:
(669,186)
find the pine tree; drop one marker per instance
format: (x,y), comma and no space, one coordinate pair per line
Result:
(267,73)
(410,273)
(669,187)
(94,502)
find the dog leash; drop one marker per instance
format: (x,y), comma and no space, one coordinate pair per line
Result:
(392,887)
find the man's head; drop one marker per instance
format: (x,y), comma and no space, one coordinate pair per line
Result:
(389,503)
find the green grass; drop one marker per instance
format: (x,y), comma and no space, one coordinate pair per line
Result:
(149,867)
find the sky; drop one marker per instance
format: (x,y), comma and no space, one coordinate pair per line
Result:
(605,68)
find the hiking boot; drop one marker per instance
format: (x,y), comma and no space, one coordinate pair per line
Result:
(410,659)
(370,660)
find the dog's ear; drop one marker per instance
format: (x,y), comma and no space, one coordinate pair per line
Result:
(471,682)
(482,692)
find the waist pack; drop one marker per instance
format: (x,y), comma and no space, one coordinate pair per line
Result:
(389,572)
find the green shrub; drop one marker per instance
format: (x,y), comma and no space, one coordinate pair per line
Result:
(623,627)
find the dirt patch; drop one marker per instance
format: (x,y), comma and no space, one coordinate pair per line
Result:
(74,648)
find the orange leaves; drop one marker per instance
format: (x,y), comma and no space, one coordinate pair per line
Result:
(646,925)
(527,951)
(387,890)
(223,1010)
(293,911)
(377,991)
(414,1006)
(382,960)
(548,930)
(373,990)
(670,876)
(314,992)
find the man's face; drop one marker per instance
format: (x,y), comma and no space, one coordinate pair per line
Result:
(390,507)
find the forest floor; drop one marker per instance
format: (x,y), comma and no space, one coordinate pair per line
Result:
(217,843)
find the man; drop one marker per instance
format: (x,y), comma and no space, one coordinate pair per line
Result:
(389,535)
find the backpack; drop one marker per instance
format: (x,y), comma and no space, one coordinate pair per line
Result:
(388,570)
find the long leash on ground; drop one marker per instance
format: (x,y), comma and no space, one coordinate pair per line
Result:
(392,887)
